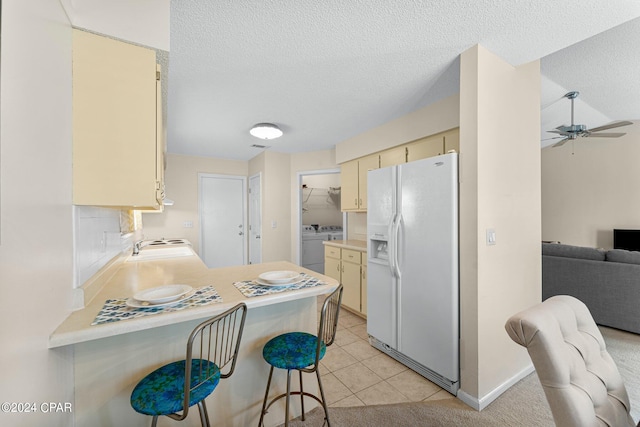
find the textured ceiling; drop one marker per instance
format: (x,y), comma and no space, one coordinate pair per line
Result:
(325,71)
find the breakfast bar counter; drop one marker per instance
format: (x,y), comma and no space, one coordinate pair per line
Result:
(110,358)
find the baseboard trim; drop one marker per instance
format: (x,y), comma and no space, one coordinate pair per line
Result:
(480,404)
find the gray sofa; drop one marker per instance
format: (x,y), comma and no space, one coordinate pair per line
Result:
(607,281)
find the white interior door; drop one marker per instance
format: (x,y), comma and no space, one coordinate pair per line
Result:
(222,220)
(255,219)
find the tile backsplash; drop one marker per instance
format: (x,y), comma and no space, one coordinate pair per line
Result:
(97,240)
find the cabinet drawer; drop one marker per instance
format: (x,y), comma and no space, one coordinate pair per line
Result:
(332,252)
(351,256)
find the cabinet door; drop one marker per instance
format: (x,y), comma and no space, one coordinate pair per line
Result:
(351,285)
(114,123)
(426,147)
(349,184)
(332,268)
(393,156)
(365,165)
(452,140)
(363,289)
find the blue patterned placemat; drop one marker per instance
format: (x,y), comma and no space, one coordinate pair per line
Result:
(251,288)
(117,309)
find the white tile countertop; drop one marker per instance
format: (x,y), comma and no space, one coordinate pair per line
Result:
(131,277)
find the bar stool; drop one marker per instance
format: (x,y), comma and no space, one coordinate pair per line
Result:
(212,351)
(302,352)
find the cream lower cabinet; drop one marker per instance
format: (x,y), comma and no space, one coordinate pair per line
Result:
(118,147)
(345,265)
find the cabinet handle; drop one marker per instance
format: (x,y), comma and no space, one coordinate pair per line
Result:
(355,201)
(360,202)
(364,275)
(343,268)
(338,267)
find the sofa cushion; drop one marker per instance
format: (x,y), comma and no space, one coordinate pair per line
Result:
(569,251)
(621,255)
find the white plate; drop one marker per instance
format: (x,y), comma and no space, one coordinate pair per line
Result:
(162,294)
(131,302)
(279,276)
(289,283)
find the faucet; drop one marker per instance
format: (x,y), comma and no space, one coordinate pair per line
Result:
(136,247)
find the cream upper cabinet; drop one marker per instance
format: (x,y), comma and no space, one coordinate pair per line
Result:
(118,147)
(365,165)
(452,140)
(353,181)
(393,156)
(349,193)
(425,147)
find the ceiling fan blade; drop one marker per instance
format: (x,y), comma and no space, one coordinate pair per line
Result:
(553,137)
(611,126)
(561,143)
(606,135)
(559,128)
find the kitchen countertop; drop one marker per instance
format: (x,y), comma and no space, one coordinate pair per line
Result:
(131,277)
(357,245)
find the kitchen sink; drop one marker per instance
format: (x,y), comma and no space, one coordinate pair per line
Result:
(161,252)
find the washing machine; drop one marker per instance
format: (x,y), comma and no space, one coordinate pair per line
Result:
(312,256)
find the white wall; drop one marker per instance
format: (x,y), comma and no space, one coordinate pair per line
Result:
(500,190)
(36,254)
(591,187)
(318,206)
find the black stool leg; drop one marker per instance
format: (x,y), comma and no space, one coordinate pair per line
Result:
(301,395)
(154,421)
(266,397)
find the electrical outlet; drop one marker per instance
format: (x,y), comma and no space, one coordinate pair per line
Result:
(187,224)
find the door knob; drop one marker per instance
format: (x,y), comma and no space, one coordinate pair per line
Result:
(240,233)
(257,236)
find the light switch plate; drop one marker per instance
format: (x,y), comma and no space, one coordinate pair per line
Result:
(491,236)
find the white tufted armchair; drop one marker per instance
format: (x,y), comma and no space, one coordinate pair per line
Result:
(580,379)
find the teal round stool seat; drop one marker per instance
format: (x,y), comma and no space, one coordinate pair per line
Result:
(293,350)
(212,352)
(162,391)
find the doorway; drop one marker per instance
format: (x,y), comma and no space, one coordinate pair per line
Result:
(318,206)
(222,200)
(255,219)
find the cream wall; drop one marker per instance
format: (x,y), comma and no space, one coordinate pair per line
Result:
(181,180)
(591,187)
(500,190)
(36,249)
(435,118)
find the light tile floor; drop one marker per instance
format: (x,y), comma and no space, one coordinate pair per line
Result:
(355,374)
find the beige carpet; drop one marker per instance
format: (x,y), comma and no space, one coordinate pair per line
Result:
(524,404)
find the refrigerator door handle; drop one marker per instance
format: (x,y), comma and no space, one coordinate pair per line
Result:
(391,248)
(396,243)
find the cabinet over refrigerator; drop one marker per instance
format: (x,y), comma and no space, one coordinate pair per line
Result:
(412,261)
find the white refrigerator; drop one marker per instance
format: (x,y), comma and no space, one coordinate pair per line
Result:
(412,262)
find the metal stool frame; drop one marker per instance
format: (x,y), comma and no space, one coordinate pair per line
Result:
(327,334)
(215,340)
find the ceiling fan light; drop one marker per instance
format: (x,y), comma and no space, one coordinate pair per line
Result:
(266,131)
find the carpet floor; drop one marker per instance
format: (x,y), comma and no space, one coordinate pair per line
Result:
(524,404)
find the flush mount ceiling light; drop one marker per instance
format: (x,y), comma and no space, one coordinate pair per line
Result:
(266,131)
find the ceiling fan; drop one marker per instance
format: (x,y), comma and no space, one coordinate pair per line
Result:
(574,131)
